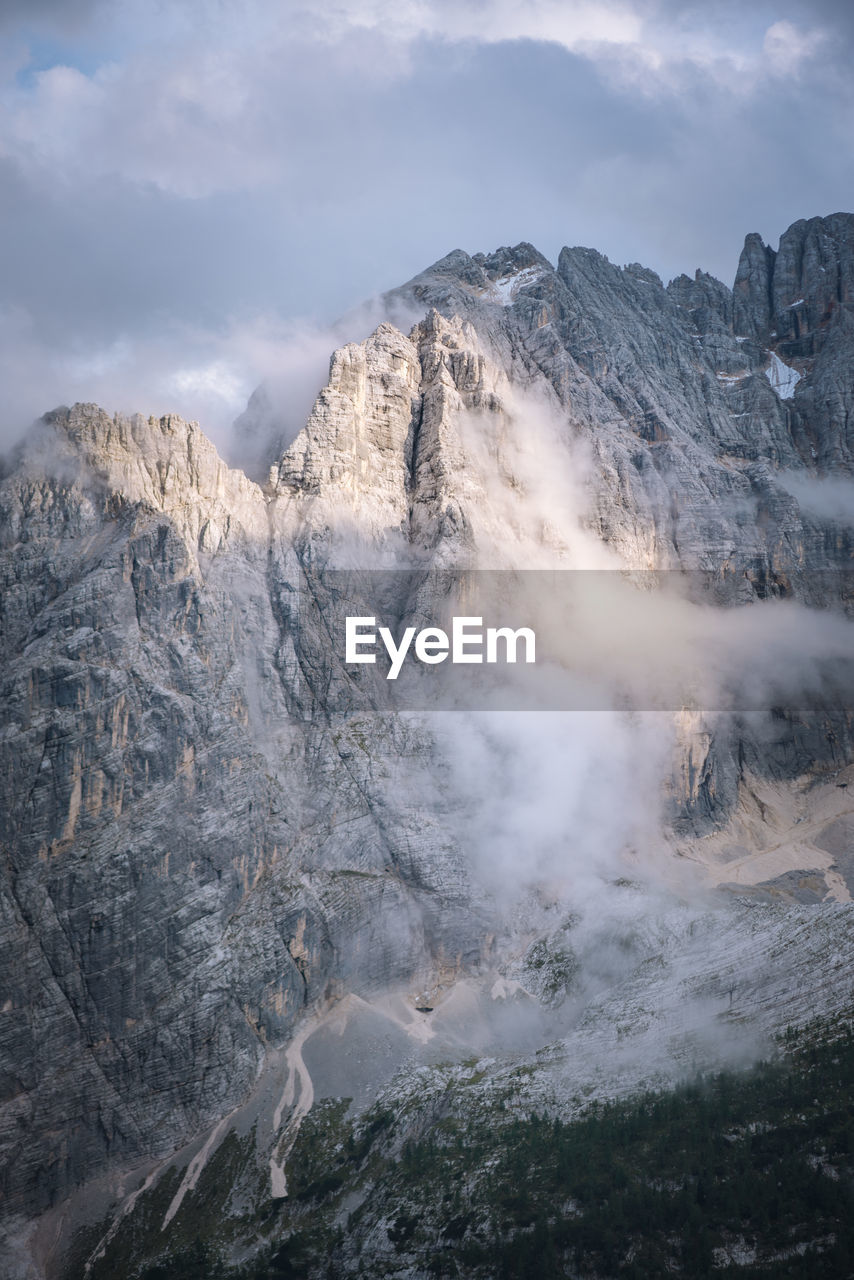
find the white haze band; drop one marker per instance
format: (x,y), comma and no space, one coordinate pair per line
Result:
(432,644)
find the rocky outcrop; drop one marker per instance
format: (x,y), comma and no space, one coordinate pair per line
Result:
(798,302)
(752,292)
(812,283)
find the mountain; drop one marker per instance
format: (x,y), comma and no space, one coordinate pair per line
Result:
(237,882)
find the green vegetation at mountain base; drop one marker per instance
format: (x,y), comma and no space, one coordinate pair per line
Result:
(743,1174)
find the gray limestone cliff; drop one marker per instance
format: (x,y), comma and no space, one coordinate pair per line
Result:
(204,843)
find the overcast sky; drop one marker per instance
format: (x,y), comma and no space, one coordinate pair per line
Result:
(192,190)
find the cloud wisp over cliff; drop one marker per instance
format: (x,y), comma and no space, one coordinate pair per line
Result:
(180,190)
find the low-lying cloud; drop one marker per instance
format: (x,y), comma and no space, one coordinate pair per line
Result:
(826,497)
(173,179)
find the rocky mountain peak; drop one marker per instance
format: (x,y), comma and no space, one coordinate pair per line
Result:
(459,266)
(164,464)
(812,287)
(205,845)
(507,261)
(708,300)
(793,297)
(752,304)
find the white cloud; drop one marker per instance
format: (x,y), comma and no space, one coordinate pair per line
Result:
(570,25)
(636,43)
(218,381)
(217,104)
(786,47)
(828,498)
(185,123)
(54,118)
(201,374)
(202,158)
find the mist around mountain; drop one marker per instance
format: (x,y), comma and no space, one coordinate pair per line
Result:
(306,977)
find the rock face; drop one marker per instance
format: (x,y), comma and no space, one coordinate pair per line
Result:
(798,302)
(202,843)
(178,886)
(752,293)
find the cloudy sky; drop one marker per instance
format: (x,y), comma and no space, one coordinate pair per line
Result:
(192,190)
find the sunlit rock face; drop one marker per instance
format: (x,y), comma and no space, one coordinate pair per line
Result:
(188,864)
(201,844)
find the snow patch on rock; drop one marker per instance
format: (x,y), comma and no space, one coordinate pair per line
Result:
(782,377)
(506,288)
